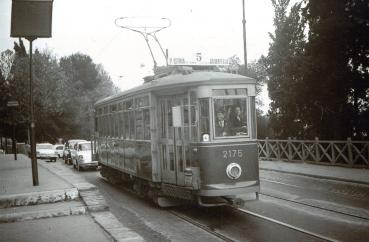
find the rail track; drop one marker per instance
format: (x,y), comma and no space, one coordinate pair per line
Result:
(224,237)
(307,204)
(202,226)
(304,231)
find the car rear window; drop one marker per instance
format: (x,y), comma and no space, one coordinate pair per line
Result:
(44,146)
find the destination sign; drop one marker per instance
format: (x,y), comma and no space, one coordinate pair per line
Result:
(199,60)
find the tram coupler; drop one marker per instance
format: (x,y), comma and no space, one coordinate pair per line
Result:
(235,201)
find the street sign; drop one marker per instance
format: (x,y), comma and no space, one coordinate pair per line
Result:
(31,18)
(12,104)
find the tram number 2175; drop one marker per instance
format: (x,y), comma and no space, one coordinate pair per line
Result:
(232,154)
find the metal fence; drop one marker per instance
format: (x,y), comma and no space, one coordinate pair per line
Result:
(340,153)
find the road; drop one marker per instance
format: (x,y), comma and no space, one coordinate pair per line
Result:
(299,208)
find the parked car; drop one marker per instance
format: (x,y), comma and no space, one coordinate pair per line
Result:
(59,150)
(84,156)
(46,151)
(69,151)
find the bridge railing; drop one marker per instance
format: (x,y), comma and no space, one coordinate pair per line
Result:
(340,153)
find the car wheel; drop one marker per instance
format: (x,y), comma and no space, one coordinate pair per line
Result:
(55,159)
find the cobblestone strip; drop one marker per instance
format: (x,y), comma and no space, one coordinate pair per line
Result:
(112,226)
(94,201)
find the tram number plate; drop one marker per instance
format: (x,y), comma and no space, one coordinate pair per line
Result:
(232,154)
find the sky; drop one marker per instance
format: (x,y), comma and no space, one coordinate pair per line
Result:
(211,27)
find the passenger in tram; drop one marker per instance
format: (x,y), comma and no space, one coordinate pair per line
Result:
(221,125)
(238,122)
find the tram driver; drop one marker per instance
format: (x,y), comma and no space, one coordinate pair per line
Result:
(238,122)
(221,125)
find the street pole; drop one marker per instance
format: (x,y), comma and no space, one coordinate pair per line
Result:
(32,121)
(14,140)
(244,36)
(13,105)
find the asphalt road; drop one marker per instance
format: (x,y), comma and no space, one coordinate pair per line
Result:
(333,210)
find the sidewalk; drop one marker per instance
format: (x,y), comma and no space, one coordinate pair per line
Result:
(64,207)
(354,175)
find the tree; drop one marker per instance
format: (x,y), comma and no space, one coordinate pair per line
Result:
(86,83)
(338,70)
(64,92)
(284,65)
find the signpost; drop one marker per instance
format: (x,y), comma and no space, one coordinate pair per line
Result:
(13,104)
(31,19)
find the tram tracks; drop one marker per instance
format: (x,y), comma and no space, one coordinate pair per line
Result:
(348,211)
(204,227)
(304,231)
(222,234)
(315,206)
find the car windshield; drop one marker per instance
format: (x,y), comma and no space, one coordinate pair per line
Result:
(83,147)
(230,117)
(44,147)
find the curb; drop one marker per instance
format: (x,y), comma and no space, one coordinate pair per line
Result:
(52,213)
(316,176)
(35,198)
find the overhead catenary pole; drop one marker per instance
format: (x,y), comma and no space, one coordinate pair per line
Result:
(244,36)
(31,19)
(32,121)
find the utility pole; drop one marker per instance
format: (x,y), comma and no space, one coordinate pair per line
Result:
(13,105)
(244,36)
(32,119)
(31,19)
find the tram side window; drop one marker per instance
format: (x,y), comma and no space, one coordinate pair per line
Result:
(146,114)
(126,125)
(139,124)
(204,119)
(131,124)
(116,129)
(121,125)
(111,125)
(193,123)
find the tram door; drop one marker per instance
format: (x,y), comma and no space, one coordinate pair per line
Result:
(174,143)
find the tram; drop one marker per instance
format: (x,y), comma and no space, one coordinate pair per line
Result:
(185,135)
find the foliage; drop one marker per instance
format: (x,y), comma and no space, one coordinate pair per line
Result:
(64,92)
(283,64)
(338,76)
(318,69)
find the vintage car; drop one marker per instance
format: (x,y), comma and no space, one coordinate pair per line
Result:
(46,151)
(69,151)
(59,150)
(84,156)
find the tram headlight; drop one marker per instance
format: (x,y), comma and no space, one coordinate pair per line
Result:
(205,137)
(234,171)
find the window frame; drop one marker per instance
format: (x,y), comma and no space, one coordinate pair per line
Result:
(247,113)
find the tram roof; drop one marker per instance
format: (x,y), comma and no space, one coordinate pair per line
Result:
(183,80)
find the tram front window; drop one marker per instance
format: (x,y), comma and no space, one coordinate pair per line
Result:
(230,117)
